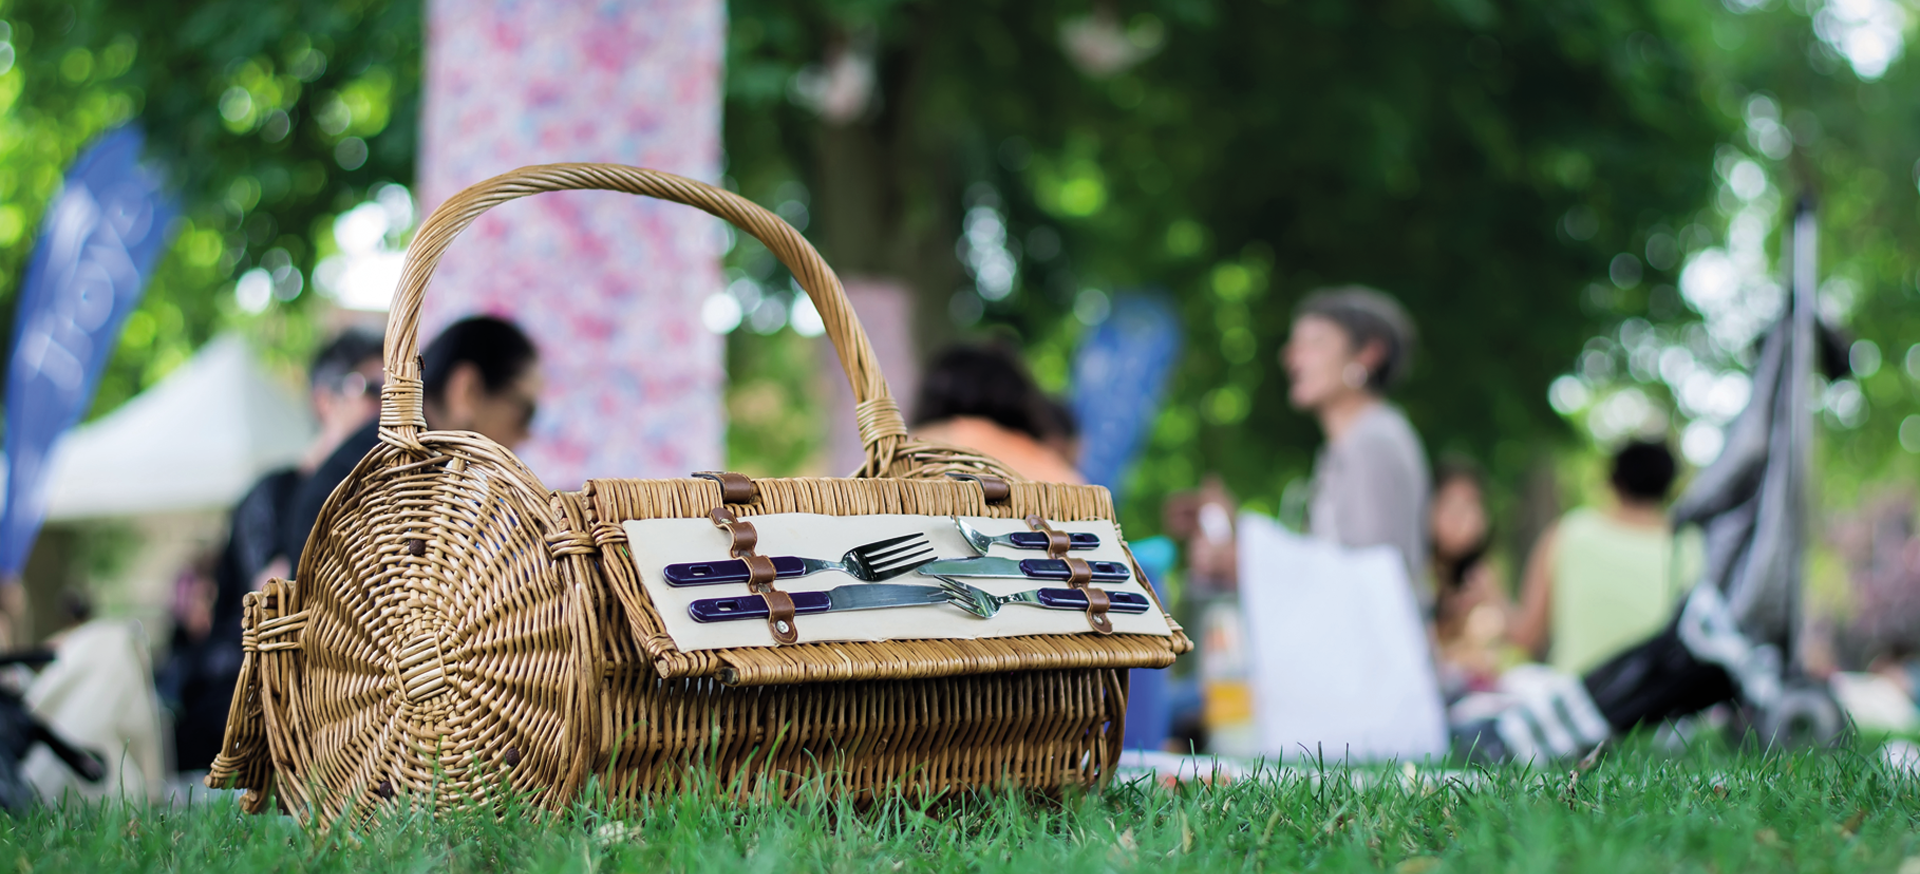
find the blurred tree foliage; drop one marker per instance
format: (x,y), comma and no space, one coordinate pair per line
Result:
(775,395)
(268,117)
(1484,160)
(1258,152)
(1852,145)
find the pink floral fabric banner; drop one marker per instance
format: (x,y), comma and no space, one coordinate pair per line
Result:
(609,285)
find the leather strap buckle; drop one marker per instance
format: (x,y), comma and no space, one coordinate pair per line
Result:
(993,489)
(735,488)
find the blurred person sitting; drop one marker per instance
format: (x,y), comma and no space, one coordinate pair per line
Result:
(98,694)
(482,374)
(1348,346)
(183,673)
(1470,608)
(1062,429)
(1603,579)
(981,398)
(195,591)
(343,389)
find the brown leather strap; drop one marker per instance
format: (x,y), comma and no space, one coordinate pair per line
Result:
(780,617)
(745,538)
(1097,604)
(993,489)
(1079,576)
(1058,542)
(735,488)
(760,573)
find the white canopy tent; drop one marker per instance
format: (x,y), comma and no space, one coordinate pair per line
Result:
(195,441)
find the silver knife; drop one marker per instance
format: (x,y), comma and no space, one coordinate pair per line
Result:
(857,596)
(1051,569)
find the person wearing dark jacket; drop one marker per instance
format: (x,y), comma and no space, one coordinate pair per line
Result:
(198,679)
(481,374)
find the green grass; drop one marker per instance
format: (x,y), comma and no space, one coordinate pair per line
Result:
(1633,811)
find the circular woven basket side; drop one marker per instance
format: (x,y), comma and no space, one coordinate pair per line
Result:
(438,656)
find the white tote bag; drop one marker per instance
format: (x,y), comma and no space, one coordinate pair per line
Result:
(1340,663)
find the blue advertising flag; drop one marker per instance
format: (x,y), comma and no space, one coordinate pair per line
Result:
(1119,379)
(97,247)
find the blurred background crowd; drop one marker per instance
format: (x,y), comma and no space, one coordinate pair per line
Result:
(1484,281)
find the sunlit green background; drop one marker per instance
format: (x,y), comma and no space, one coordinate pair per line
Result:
(1533,178)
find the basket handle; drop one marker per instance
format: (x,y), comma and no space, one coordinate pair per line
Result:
(882,431)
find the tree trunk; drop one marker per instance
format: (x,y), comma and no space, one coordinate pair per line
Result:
(885,199)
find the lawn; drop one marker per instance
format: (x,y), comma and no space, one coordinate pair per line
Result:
(1629,811)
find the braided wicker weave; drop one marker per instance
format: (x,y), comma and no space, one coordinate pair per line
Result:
(457,627)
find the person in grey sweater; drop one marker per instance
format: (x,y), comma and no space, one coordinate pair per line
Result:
(1349,345)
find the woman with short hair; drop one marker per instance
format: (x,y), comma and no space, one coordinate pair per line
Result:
(1349,345)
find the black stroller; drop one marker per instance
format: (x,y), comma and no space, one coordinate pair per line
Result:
(1733,637)
(20,730)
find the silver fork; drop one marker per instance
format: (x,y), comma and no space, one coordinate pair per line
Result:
(868,562)
(975,600)
(879,560)
(985,604)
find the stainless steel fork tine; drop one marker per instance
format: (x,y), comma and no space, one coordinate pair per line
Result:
(891,548)
(869,548)
(893,555)
(966,604)
(896,568)
(968,598)
(872,551)
(898,557)
(959,589)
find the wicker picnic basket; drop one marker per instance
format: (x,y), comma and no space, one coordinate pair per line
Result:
(457,628)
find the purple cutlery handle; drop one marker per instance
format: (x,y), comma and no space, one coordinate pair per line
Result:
(754,606)
(1075,599)
(1056,569)
(733,570)
(1038,540)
